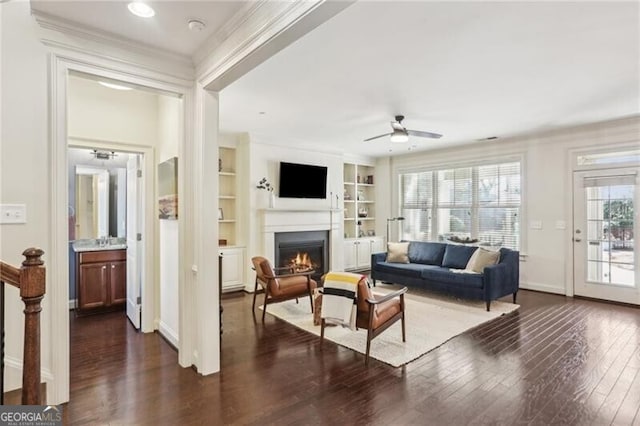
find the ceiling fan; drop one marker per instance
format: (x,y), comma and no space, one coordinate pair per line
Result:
(401,134)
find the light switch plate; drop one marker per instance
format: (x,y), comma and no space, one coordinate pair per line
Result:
(561,224)
(13,213)
(535,224)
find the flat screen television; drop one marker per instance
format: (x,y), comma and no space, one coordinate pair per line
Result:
(302,181)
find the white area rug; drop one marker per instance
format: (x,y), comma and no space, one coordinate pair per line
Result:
(431,320)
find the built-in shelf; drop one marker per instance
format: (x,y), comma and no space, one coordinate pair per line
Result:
(366,218)
(227,221)
(366,184)
(349,201)
(365,202)
(349,183)
(359,198)
(227,197)
(349,219)
(226,173)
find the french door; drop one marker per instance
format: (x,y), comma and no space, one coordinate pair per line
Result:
(604,243)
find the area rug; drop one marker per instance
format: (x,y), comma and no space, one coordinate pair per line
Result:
(431,320)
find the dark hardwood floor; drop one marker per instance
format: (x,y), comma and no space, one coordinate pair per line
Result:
(558,361)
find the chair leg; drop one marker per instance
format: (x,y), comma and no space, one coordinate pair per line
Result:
(311,300)
(322,332)
(488,305)
(255,292)
(515,293)
(404,335)
(264,308)
(366,355)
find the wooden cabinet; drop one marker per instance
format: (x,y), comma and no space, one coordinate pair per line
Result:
(232,268)
(357,252)
(101,280)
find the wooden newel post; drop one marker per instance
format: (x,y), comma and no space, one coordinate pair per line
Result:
(32,289)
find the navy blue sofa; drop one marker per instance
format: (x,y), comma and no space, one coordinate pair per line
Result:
(430,265)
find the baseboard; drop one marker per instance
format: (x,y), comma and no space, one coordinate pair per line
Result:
(13,374)
(168,333)
(545,288)
(72,304)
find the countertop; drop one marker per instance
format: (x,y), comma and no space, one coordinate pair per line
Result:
(94,245)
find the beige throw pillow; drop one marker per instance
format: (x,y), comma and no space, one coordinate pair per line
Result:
(481,258)
(398,252)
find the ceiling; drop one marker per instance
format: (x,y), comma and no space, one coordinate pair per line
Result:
(468,70)
(167,30)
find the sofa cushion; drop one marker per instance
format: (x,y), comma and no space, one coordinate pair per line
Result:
(426,253)
(456,256)
(413,270)
(445,276)
(481,258)
(397,252)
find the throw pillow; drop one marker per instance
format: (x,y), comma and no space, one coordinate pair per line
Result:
(482,258)
(398,252)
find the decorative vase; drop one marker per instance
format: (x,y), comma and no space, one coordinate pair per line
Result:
(272,200)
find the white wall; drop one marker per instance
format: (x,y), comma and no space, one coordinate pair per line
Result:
(24,170)
(547,190)
(169,113)
(100,113)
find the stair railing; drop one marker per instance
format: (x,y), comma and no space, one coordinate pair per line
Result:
(30,280)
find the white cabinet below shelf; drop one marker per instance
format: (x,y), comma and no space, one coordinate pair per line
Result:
(232,268)
(357,252)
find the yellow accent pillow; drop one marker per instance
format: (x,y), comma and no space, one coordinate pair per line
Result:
(398,252)
(481,258)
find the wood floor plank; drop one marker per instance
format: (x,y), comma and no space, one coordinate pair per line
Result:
(537,366)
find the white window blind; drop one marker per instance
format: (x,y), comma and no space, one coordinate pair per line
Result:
(480,202)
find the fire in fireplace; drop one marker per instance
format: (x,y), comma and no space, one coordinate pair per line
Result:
(302,250)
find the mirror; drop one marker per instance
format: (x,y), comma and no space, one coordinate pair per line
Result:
(92,203)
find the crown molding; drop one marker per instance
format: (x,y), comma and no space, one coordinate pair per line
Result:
(65,34)
(258,32)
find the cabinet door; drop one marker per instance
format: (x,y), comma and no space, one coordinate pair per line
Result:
(232,268)
(92,285)
(118,283)
(350,254)
(377,245)
(364,253)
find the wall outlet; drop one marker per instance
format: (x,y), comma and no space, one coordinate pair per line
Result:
(13,213)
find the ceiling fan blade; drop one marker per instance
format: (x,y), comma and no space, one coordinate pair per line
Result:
(424,134)
(376,137)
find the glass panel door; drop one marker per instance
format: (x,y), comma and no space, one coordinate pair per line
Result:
(605,221)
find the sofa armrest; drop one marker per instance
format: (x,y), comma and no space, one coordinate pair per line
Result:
(499,281)
(378,258)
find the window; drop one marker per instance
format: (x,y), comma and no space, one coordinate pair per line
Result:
(479,202)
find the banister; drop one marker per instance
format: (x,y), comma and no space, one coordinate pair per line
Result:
(30,280)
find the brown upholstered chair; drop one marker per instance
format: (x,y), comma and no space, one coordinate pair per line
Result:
(281,284)
(376,313)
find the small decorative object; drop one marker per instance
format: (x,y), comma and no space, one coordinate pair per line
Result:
(360,195)
(222,242)
(264,184)
(371,233)
(358,179)
(370,179)
(361,233)
(220,214)
(363,212)
(465,240)
(346,195)
(219,164)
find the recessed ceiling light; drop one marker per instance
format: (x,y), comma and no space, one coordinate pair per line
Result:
(114,86)
(262,113)
(141,9)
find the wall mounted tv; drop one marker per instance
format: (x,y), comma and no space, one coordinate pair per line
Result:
(302,181)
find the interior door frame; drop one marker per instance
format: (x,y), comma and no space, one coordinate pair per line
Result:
(60,67)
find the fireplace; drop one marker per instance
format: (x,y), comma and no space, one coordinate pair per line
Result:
(306,247)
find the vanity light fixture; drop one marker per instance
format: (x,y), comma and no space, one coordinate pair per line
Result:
(141,9)
(103,155)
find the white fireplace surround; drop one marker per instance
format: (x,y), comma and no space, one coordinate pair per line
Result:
(297,220)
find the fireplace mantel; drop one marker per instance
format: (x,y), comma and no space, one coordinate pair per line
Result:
(301,219)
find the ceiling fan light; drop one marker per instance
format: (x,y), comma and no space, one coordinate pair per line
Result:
(399,136)
(141,9)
